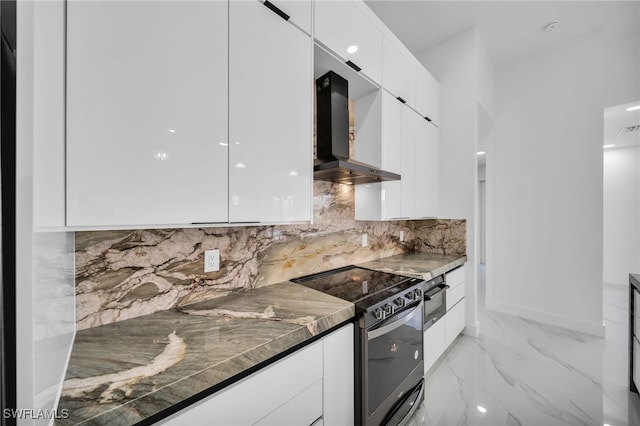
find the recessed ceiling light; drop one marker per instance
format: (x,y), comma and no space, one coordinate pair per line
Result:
(482,409)
(481,153)
(352,49)
(611,145)
(551,26)
(633,108)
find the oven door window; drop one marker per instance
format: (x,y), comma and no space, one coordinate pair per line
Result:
(394,349)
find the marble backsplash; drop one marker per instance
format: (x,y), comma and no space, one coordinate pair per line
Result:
(126,274)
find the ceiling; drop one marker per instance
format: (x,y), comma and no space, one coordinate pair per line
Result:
(510,29)
(514,29)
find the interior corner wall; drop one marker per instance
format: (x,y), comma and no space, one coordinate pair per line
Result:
(621,214)
(544,177)
(454,64)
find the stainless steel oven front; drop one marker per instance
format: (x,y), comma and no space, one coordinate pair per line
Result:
(391,360)
(435,300)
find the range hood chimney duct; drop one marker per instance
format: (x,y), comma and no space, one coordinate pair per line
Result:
(333,163)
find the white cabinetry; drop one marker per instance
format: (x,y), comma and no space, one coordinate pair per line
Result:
(399,72)
(146,112)
(311,386)
(441,335)
(434,338)
(454,322)
(299,12)
(270,117)
(340,26)
(188,112)
(409,146)
(427,192)
(427,95)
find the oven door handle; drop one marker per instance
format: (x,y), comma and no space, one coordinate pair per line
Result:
(402,320)
(440,287)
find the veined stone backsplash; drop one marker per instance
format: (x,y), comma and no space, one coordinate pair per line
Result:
(125,274)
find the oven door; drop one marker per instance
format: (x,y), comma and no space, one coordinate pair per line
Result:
(394,350)
(435,304)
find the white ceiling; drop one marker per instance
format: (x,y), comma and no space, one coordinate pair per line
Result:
(510,29)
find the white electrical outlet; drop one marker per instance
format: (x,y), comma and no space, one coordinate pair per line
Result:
(211,260)
(401,236)
(364,240)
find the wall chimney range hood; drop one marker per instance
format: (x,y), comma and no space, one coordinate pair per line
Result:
(333,163)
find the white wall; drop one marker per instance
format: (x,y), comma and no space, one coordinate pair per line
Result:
(544,184)
(454,64)
(621,214)
(45,304)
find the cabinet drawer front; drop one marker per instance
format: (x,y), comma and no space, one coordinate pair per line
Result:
(455,277)
(454,295)
(434,339)
(303,409)
(267,390)
(454,321)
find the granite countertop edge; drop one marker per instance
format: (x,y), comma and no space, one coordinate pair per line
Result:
(417,265)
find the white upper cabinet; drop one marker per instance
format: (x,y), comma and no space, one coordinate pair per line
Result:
(298,11)
(270,119)
(409,146)
(146,112)
(427,95)
(399,72)
(427,193)
(342,28)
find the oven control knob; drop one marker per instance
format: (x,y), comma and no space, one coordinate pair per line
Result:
(389,309)
(379,313)
(411,296)
(399,302)
(418,293)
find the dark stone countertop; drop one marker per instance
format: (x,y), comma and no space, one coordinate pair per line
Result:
(124,372)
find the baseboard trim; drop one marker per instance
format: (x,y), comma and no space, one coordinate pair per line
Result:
(472,329)
(549,318)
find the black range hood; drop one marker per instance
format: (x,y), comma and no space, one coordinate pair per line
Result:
(333,163)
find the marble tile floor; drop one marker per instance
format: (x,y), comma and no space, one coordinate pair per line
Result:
(520,372)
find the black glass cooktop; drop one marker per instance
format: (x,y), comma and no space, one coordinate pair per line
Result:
(351,283)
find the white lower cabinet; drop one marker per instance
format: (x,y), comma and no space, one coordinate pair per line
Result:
(433,342)
(339,377)
(313,383)
(441,335)
(454,322)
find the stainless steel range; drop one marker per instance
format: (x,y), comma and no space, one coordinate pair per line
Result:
(389,363)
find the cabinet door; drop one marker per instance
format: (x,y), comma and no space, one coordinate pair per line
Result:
(270,117)
(454,322)
(434,339)
(399,72)
(339,25)
(267,390)
(409,136)
(146,112)
(427,95)
(339,377)
(426,169)
(393,135)
(299,12)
